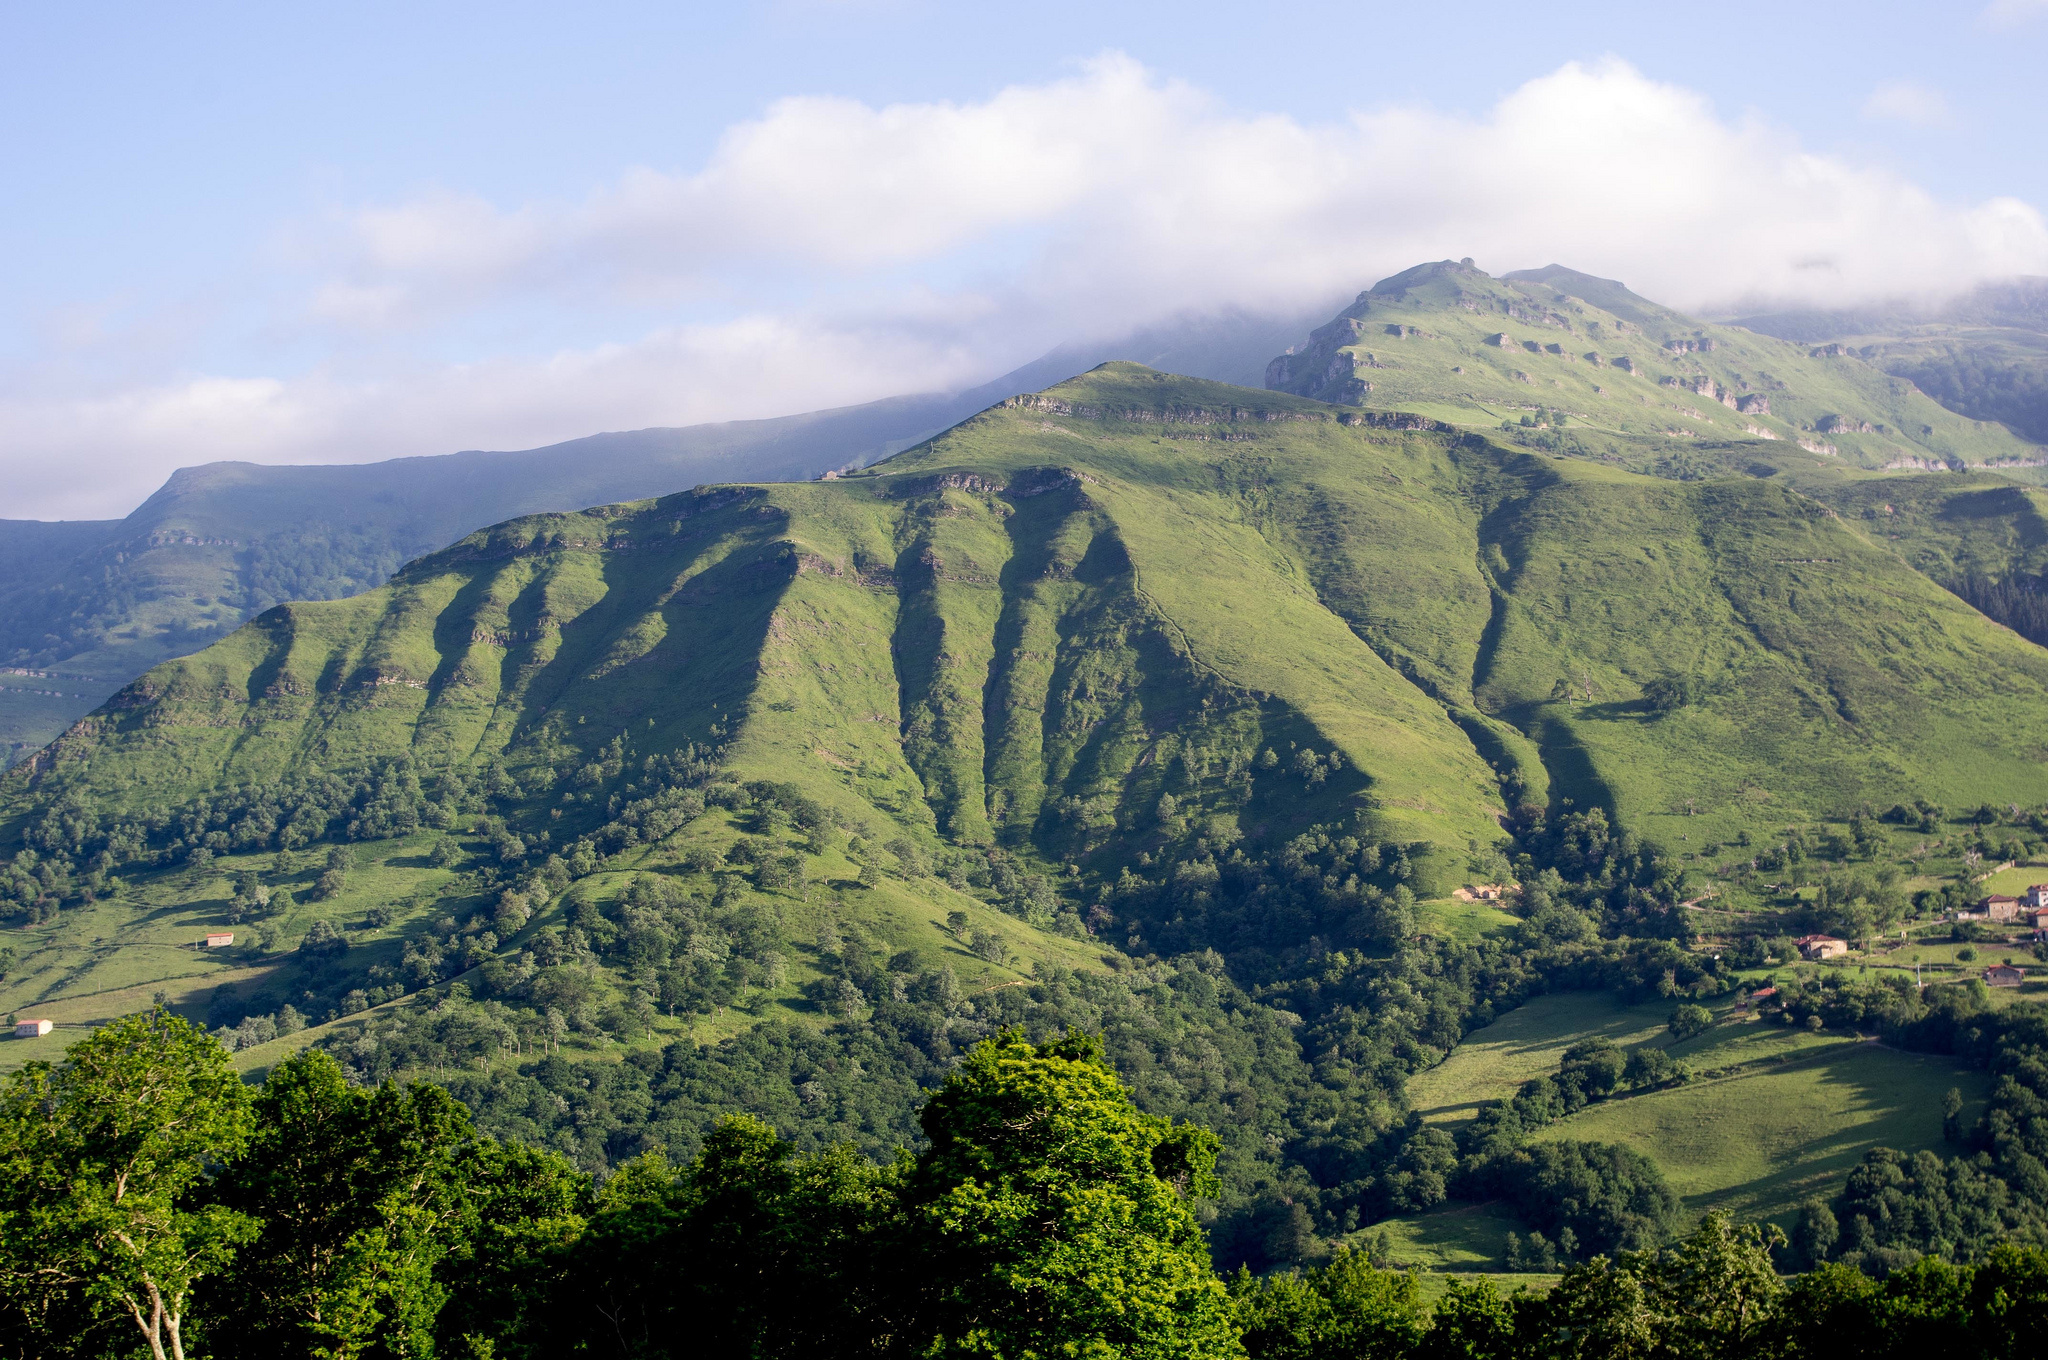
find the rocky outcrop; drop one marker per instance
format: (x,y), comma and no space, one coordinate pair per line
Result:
(1702,386)
(1704,345)
(1833,424)
(1392,420)
(1755,404)
(1500,340)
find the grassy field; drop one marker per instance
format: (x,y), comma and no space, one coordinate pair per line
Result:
(1759,1142)
(1460,1237)
(1437,1283)
(1775,1114)
(1523,1044)
(2014,881)
(1465,922)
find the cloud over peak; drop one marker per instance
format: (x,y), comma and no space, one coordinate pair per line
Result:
(831,251)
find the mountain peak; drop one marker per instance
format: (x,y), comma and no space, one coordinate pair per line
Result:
(1572,363)
(1396,284)
(1607,294)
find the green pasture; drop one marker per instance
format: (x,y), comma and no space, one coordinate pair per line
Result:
(1523,1044)
(1759,1142)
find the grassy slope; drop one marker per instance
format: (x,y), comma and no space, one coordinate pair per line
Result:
(1778,1114)
(1760,1142)
(1030,628)
(1422,339)
(1947,524)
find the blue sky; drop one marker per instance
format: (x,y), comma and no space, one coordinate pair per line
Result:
(265,233)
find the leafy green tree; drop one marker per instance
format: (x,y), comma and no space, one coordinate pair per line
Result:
(1716,1290)
(1815,1233)
(1347,1308)
(1827,1313)
(1470,1322)
(519,1213)
(1052,1218)
(100,1157)
(358,1193)
(1668,694)
(750,1250)
(1598,1311)
(2009,1301)
(1690,1020)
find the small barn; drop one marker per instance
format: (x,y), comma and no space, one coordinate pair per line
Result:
(220,939)
(2004,975)
(33,1029)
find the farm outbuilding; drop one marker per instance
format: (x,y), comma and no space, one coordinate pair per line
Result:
(33,1029)
(2003,975)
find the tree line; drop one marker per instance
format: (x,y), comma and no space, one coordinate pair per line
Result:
(154,1204)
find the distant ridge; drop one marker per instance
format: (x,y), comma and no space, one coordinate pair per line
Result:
(221,542)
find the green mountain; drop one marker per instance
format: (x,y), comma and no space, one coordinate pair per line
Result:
(1029,631)
(1984,354)
(1571,363)
(1560,362)
(1381,587)
(1174,710)
(87,606)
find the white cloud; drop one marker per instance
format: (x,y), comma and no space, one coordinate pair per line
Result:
(1909,102)
(1115,180)
(97,456)
(840,252)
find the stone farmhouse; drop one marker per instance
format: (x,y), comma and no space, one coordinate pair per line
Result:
(1821,946)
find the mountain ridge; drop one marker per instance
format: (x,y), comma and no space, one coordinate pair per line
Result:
(218,543)
(1448,340)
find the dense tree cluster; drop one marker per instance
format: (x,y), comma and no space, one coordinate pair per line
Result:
(152,1204)
(1896,1207)
(2020,602)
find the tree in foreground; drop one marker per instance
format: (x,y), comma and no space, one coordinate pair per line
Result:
(99,1157)
(749,1250)
(376,1206)
(1050,1218)
(1347,1308)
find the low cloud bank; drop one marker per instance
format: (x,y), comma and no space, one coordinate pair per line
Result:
(919,247)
